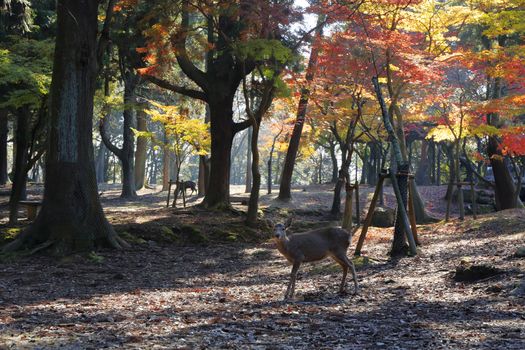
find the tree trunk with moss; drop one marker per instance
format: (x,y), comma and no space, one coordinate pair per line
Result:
(71,218)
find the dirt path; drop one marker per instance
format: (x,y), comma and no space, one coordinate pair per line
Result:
(163,295)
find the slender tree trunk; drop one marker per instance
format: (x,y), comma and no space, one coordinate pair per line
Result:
(336,202)
(71,218)
(285,189)
(269,181)
(3,146)
(438,165)
(253,205)
(20,163)
(165,169)
(127,159)
(141,150)
(249,151)
(432,158)
(101,163)
(452,172)
(335,166)
(278,172)
(153,167)
(422,174)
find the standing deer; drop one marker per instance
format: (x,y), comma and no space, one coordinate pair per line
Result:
(314,245)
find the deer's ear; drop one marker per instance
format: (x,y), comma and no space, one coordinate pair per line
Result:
(288,222)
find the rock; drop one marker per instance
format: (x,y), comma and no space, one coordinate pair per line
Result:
(481,209)
(519,291)
(520,252)
(383,217)
(467,272)
(482,196)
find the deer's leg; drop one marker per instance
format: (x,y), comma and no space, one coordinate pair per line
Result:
(350,264)
(344,266)
(291,285)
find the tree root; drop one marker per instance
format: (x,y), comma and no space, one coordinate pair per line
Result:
(42,246)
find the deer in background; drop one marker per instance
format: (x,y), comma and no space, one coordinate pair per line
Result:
(314,245)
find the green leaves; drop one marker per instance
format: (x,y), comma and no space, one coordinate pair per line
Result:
(263,50)
(25,71)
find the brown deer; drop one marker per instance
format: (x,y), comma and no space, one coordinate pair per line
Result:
(314,245)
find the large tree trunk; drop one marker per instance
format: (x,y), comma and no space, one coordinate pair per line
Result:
(221,112)
(3,146)
(20,163)
(285,189)
(141,151)
(505,189)
(71,218)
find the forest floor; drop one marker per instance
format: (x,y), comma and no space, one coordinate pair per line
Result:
(195,279)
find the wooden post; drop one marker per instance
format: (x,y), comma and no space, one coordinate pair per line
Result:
(404,216)
(370,214)
(474,200)
(411,213)
(347,217)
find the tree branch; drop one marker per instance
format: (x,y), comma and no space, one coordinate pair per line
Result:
(103,40)
(176,88)
(105,138)
(186,65)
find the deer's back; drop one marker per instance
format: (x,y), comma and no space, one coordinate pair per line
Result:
(317,244)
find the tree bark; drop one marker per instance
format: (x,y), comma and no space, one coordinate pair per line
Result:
(141,151)
(127,159)
(253,205)
(71,218)
(335,166)
(505,189)
(3,146)
(221,114)
(101,163)
(165,169)
(285,188)
(422,173)
(249,152)
(18,190)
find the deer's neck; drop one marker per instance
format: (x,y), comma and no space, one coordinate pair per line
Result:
(282,246)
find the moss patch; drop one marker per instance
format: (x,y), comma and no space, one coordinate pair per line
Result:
(94,257)
(9,234)
(168,234)
(130,238)
(193,234)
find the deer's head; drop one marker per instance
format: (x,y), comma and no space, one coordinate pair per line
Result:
(280,229)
